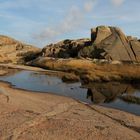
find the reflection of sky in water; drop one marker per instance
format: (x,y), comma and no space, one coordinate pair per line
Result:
(137,94)
(119,104)
(44,83)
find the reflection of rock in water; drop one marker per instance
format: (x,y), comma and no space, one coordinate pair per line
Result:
(95,96)
(108,92)
(130,99)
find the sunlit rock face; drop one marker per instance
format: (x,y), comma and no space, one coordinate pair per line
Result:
(106,42)
(112,44)
(13,51)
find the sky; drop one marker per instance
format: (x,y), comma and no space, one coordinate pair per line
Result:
(40,22)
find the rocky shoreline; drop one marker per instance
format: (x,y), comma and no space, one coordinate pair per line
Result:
(41,115)
(109,55)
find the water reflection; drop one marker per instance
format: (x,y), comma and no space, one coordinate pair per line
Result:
(115,95)
(106,94)
(109,92)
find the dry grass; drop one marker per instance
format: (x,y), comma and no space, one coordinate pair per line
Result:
(89,71)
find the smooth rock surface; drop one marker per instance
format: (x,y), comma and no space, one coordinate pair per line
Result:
(30,116)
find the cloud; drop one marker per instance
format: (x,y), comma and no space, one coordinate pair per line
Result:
(74,19)
(89,5)
(46,21)
(5,16)
(19,27)
(117,2)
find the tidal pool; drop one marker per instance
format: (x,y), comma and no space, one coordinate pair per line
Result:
(105,94)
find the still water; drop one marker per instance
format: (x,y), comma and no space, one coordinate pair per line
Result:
(106,94)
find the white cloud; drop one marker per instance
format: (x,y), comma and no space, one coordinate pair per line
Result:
(117,2)
(5,16)
(74,19)
(43,27)
(89,5)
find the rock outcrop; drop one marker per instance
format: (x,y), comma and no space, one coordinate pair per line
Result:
(65,49)
(12,51)
(106,42)
(112,44)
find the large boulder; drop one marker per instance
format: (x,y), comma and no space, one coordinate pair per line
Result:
(112,44)
(100,33)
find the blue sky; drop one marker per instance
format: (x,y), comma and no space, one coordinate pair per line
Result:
(40,22)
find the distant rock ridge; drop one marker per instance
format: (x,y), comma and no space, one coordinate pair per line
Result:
(13,51)
(5,40)
(106,42)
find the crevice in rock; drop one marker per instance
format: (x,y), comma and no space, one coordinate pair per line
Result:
(133,51)
(94,36)
(119,36)
(121,122)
